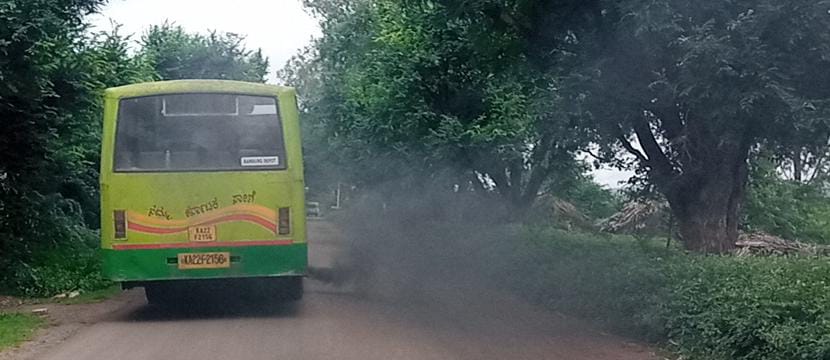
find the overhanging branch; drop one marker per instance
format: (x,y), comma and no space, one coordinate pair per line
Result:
(670,119)
(657,158)
(630,148)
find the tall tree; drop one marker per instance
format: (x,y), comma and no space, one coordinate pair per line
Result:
(52,75)
(178,54)
(41,93)
(38,40)
(103,60)
(692,88)
(438,87)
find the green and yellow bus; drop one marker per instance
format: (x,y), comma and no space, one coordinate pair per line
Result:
(202,181)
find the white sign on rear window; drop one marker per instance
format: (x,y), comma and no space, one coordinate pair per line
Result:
(261,161)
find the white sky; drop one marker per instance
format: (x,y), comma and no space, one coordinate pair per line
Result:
(611,178)
(279,27)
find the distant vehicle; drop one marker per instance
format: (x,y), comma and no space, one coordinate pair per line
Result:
(202,181)
(312,209)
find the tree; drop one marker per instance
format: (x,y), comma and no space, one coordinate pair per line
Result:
(39,103)
(103,60)
(691,89)
(321,167)
(177,54)
(421,88)
(38,41)
(785,207)
(52,81)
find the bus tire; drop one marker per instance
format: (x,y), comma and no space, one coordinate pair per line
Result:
(293,290)
(158,295)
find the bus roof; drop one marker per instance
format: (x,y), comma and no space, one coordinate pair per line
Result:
(194,86)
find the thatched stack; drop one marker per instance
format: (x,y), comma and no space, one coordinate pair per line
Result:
(564,213)
(642,217)
(760,243)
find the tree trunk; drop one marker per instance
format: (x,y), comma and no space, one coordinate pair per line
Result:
(797,166)
(708,215)
(706,228)
(518,187)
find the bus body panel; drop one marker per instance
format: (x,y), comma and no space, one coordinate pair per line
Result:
(239,210)
(253,261)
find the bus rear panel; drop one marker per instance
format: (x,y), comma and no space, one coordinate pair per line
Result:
(201,179)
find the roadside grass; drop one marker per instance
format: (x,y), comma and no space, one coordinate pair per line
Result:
(16,328)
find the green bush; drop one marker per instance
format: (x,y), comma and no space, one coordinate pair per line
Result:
(52,252)
(60,270)
(787,208)
(596,201)
(706,307)
(750,308)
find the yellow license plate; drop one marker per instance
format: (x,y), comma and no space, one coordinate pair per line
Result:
(202,233)
(208,260)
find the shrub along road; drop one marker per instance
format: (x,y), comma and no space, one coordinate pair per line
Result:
(446,317)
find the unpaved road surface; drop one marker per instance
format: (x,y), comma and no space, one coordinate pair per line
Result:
(448,320)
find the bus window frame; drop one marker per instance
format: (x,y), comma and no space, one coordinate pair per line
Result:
(117,122)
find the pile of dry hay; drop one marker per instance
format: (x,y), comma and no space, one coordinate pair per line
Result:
(760,243)
(564,213)
(638,217)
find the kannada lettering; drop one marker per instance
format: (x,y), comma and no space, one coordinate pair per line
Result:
(203,208)
(244,198)
(158,211)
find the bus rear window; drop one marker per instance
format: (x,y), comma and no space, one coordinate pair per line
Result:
(199,132)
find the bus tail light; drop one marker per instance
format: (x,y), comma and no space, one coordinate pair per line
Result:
(120,218)
(284,221)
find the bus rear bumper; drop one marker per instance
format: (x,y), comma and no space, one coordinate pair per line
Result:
(141,265)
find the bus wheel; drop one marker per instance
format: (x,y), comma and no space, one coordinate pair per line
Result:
(158,295)
(293,289)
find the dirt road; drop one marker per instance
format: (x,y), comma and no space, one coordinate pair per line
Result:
(448,320)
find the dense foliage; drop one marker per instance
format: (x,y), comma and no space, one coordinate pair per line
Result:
(595,201)
(699,85)
(51,70)
(787,207)
(410,89)
(503,92)
(177,54)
